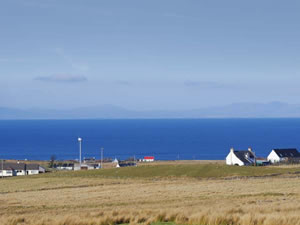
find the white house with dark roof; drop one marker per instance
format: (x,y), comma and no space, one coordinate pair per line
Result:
(241,157)
(20,169)
(34,169)
(279,155)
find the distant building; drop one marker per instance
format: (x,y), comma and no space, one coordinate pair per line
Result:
(280,155)
(262,161)
(87,166)
(125,164)
(89,160)
(65,166)
(32,169)
(148,159)
(20,169)
(241,158)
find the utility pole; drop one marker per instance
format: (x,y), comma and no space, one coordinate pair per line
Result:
(2,168)
(135,161)
(80,140)
(102,157)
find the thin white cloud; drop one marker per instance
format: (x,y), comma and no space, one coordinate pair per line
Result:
(62,78)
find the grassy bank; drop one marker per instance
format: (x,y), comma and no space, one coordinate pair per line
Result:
(150,194)
(182,170)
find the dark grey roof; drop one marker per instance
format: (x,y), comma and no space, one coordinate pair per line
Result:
(244,156)
(19,166)
(287,153)
(12,166)
(32,166)
(127,164)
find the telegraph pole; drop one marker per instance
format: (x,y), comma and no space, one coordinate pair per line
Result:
(2,167)
(102,157)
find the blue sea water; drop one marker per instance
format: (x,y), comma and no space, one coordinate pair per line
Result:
(166,139)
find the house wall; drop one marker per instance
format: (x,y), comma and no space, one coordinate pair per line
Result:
(43,170)
(84,166)
(64,168)
(273,157)
(231,159)
(148,160)
(19,173)
(6,173)
(32,172)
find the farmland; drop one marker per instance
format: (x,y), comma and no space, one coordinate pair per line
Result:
(181,193)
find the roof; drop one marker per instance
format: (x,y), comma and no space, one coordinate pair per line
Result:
(12,166)
(19,166)
(127,164)
(245,156)
(149,157)
(287,153)
(32,166)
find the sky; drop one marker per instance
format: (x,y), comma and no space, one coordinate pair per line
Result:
(148,55)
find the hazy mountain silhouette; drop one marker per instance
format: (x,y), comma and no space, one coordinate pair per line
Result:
(237,110)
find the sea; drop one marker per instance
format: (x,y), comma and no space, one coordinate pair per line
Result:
(165,139)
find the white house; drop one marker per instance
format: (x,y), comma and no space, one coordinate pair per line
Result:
(148,159)
(6,172)
(65,166)
(240,158)
(34,169)
(20,169)
(279,155)
(87,166)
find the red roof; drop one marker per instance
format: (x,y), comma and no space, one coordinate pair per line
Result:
(149,157)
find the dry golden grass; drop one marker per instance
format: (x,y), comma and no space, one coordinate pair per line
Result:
(183,162)
(63,200)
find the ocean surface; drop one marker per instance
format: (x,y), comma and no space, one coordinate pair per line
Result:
(166,139)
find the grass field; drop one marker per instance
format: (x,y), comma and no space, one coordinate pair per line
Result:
(181,193)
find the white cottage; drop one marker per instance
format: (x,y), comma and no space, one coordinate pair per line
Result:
(20,169)
(34,169)
(6,171)
(241,158)
(279,155)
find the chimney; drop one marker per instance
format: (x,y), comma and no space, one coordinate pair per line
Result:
(231,149)
(250,149)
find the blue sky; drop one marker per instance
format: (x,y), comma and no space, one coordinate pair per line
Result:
(143,55)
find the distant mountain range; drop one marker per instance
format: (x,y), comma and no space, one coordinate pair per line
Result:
(237,110)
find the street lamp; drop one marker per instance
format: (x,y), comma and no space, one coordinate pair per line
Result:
(80,140)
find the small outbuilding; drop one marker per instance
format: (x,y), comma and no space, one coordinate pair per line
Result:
(241,157)
(148,159)
(281,155)
(125,164)
(87,166)
(65,166)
